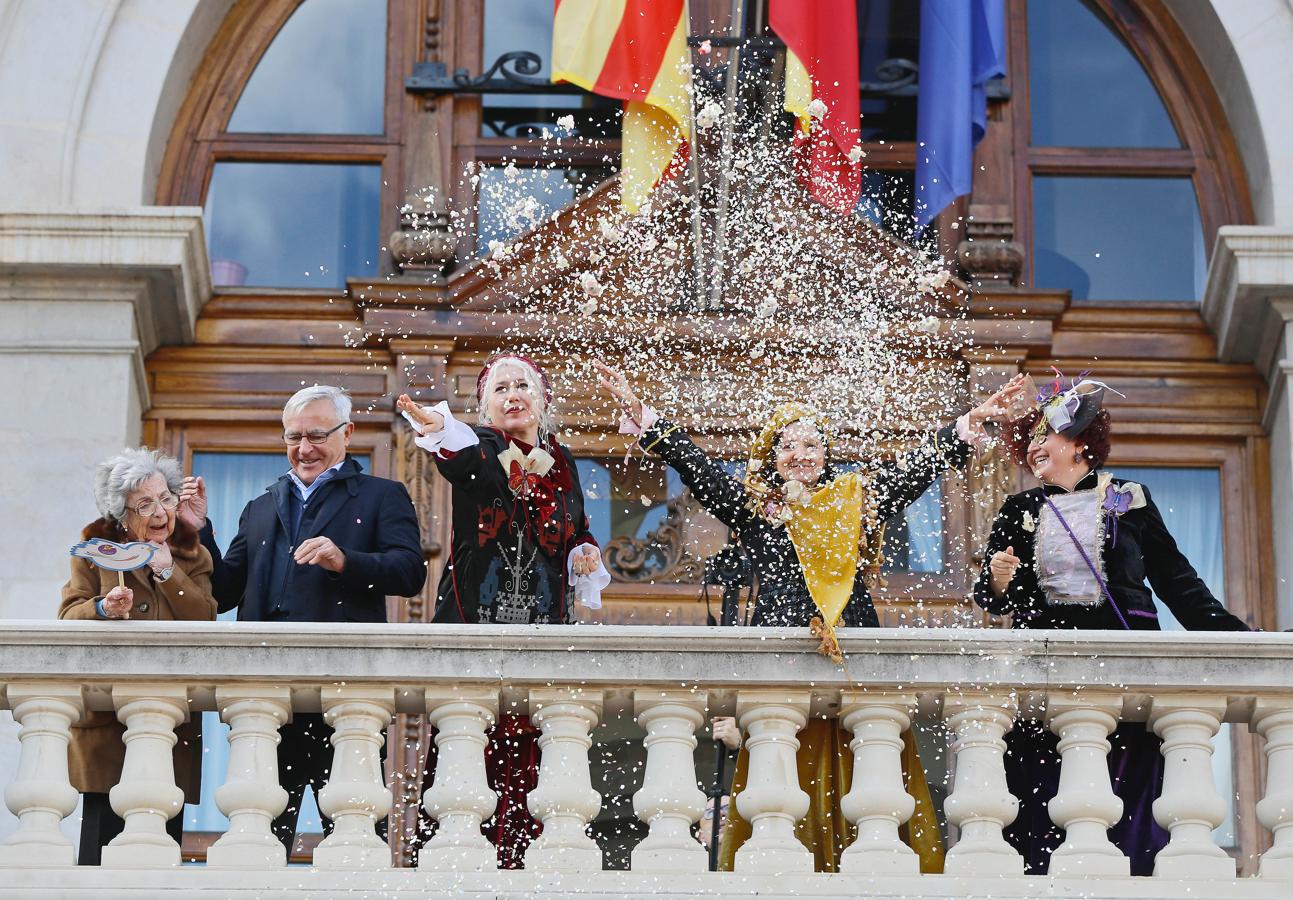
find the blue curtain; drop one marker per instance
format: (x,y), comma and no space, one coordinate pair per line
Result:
(1190,502)
(232,480)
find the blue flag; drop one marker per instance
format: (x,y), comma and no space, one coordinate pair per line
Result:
(962,47)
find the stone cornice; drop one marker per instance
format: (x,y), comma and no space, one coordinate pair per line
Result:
(1251,270)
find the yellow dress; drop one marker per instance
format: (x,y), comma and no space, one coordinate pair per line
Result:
(825,766)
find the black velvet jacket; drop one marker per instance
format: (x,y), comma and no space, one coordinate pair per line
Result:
(782,595)
(1143,550)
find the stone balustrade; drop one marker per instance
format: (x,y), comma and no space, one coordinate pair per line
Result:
(659,686)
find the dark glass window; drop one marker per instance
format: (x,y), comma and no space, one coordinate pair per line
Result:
(303,225)
(323,74)
(1087,87)
(625,501)
(887,201)
(1118,238)
(527,25)
(513,200)
(888,46)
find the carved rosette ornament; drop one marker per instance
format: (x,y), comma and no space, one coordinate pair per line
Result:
(425,240)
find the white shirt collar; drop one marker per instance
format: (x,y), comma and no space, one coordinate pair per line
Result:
(305,490)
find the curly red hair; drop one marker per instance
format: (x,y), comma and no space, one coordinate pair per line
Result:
(1019,435)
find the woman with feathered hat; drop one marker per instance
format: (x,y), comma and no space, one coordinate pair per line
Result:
(520,549)
(1076,552)
(812,536)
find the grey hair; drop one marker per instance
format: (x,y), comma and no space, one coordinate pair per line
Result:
(338,397)
(116,478)
(547,425)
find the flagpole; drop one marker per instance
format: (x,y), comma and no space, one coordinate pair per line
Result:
(717,271)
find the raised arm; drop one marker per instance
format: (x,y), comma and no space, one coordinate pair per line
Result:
(720,493)
(1176,582)
(453,445)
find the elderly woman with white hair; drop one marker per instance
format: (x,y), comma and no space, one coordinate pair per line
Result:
(138,496)
(521,550)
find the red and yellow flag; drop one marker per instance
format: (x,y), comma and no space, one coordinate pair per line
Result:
(635,51)
(822,64)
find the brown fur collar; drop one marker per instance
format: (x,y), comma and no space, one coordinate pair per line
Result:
(184,540)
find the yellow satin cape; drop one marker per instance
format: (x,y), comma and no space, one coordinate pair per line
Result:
(825,766)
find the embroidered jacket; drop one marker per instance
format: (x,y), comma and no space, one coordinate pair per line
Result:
(1134,546)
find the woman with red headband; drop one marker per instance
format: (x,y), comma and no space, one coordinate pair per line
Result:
(1076,552)
(521,550)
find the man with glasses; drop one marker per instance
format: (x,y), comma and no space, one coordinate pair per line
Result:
(325,543)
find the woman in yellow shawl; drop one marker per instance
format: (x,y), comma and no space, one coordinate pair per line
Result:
(812,535)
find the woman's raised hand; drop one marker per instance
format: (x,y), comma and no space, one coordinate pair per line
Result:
(997,408)
(193,502)
(618,386)
(427,420)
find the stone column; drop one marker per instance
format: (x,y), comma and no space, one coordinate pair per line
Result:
(251,796)
(877,802)
(356,795)
(460,797)
(147,796)
(772,801)
(1190,806)
(981,805)
(1273,720)
(669,800)
(1085,805)
(564,800)
(41,795)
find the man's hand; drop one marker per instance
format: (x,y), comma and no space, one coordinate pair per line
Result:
(586,559)
(1003,566)
(428,422)
(193,503)
(321,552)
(725,730)
(117,602)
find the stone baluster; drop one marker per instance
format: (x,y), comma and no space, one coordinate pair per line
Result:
(41,795)
(564,799)
(981,804)
(1273,720)
(460,797)
(669,800)
(1190,806)
(772,801)
(356,795)
(877,802)
(251,796)
(147,796)
(1085,805)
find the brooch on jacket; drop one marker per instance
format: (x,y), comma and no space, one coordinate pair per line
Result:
(1119,500)
(524,469)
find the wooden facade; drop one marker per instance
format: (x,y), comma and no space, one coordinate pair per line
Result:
(257,346)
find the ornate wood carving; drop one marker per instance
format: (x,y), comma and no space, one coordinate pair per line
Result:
(665,553)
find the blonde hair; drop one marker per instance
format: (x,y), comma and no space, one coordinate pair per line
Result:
(547,425)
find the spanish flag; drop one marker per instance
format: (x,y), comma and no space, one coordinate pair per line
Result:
(635,51)
(822,64)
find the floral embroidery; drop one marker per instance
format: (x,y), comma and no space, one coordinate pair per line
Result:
(1029,523)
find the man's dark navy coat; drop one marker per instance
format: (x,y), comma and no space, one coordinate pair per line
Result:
(371,519)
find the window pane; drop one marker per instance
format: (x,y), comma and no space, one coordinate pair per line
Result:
(324,73)
(513,200)
(1087,87)
(232,480)
(1118,238)
(512,25)
(913,539)
(624,501)
(888,30)
(293,224)
(1190,503)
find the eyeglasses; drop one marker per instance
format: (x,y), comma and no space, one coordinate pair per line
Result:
(292,438)
(148,508)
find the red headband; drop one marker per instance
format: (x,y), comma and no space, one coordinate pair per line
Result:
(502,357)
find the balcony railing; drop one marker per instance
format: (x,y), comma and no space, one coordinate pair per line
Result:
(667,681)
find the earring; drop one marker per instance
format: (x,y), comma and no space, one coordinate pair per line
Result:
(1077,457)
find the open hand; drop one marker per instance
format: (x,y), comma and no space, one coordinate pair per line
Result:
(1003,566)
(193,503)
(997,408)
(118,602)
(321,552)
(427,420)
(618,386)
